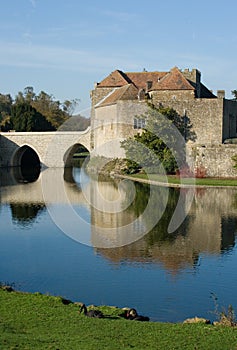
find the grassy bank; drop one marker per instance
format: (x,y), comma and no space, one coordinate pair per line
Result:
(187,181)
(35,321)
(118,167)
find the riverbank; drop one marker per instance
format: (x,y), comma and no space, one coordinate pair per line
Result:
(117,168)
(174,181)
(36,321)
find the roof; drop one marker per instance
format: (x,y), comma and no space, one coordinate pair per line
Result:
(115,79)
(140,79)
(174,80)
(127,92)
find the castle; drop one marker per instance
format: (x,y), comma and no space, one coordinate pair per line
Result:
(119,98)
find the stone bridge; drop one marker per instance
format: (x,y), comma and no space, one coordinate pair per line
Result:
(49,149)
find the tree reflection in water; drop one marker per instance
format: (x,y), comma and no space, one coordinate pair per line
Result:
(25,214)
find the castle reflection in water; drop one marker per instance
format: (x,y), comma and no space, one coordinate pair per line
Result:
(118,229)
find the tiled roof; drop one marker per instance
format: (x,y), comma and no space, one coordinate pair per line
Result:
(127,92)
(115,79)
(174,80)
(140,79)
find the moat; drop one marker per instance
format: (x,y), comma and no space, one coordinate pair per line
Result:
(108,242)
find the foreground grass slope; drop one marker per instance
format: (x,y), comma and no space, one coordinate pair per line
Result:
(35,321)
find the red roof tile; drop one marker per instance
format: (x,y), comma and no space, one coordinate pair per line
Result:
(140,79)
(174,80)
(115,79)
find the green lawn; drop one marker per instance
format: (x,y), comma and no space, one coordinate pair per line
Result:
(35,321)
(188,181)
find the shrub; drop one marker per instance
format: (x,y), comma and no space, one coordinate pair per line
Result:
(200,172)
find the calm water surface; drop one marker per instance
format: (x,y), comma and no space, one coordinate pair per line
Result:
(69,235)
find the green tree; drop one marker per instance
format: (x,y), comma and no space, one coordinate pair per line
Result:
(70,106)
(28,103)
(53,110)
(157,144)
(5,112)
(234,92)
(24,117)
(50,108)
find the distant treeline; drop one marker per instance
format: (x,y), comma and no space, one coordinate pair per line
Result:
(32,112)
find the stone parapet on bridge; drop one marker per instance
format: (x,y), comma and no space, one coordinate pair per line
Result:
(52,148)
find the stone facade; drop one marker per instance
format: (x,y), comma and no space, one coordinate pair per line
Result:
(120,97)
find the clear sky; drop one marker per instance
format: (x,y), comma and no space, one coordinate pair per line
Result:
(63,46)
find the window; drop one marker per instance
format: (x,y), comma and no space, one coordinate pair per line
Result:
(139,123)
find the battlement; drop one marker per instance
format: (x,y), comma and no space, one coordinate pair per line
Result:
(194,75)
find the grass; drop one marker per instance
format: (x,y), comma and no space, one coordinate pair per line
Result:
(36,321)
(172,179)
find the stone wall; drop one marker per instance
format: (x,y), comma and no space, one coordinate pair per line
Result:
(215,159)
(114,123)
(171,95)
(205,117)
(96,95)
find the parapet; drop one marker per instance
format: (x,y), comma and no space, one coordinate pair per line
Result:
(194,75)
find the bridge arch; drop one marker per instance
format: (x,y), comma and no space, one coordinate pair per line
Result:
(77,148)
(25,156)
(26,164)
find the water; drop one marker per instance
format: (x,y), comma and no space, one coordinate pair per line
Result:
(66,234)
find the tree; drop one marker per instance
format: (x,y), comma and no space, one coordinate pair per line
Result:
(53,110)
(5,112)
(70,106)
(24,117)
(159,143)
(47,106)
(234,92)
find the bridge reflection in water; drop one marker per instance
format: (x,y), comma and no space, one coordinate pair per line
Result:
(115,225)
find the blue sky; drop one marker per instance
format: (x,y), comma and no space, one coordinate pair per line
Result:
(62,47)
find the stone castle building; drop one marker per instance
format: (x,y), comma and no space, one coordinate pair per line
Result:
(121,97)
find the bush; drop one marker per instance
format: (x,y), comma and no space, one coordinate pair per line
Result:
(200,172)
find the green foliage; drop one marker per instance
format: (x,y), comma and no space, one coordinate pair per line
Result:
(5,112)
(234,92)
(149,149)
(24,117)
(36,321)
(36,109)
(47,106)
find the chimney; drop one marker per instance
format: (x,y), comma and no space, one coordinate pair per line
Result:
(221,93)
